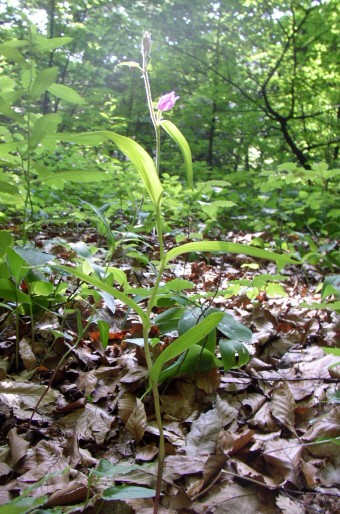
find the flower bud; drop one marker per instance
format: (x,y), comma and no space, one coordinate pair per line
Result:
(146,46)
(166,102)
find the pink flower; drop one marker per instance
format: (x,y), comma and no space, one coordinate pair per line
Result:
(166,102)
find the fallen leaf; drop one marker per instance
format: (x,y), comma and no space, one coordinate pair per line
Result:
(289,506)
(18,446)
(282,407)
(204,433)
(90,423)
(137,421)
(26,353)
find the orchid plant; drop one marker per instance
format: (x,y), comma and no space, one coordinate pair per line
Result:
(195,343)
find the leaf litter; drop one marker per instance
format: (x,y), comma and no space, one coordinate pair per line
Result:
(261,438)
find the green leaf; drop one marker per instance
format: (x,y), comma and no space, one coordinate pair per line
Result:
(43,80)
(66,93)
(8,291)
(11,53)
(222,246)
(57,179)
(184,342)
(331,351)
(104,329)
(168,320)
(131,64)
(9,112)
(33,256)
(5,148)
(135,152)
(6,240)
(46,124)
(17,265)
(234,354)
(125,492)
(23,505)
(105,468)
(43,44)
(142,162)
(178,137)
(10,189)
(194,360)
(331,286)
(80,138)
(108,289)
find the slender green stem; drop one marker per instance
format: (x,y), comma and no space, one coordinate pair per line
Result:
(161,447)
(162,263)
(154,119)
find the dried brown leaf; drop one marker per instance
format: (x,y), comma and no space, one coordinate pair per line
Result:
(5,470)
(91,422)
(147,453)
(185,465)
(289,506)
(245,471)
(27,356)
(204,433)
(253,403)
(282,407)
(213,466)
(228,498)
(126,404)
(309,473)
(263,419)
(137,421)
(74,492)
(326,426)
(25,395)
(18,446)
(285,456)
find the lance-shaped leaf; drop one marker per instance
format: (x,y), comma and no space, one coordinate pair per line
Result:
(43,80)
(184,342)
(43,44)
(66,93)
(222,246)
(94,281)
(47,124)
(9,112)
(178,137)
(143,163)
(131,64)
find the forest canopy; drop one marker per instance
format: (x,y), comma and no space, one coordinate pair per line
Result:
(258,81)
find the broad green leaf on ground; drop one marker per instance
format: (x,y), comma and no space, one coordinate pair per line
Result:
(184,342)
(234,354)
(195,360)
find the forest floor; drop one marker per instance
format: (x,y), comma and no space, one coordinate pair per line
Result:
(263,438)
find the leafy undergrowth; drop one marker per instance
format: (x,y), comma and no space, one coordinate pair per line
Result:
(260,438)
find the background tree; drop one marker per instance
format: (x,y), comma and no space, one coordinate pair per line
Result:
(257,80)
